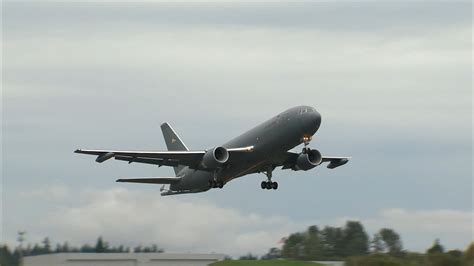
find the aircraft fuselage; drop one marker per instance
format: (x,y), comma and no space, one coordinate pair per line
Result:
(270,139)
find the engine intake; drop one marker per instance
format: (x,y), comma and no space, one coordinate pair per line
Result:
(308,160)
(214,158)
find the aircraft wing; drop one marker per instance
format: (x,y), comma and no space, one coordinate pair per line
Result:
(160,158)
(288,161)
(151,180)
(167,158)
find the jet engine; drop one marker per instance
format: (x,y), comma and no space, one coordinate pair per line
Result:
(213,158)
(308,160)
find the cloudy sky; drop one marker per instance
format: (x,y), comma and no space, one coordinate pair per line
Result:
(392,81)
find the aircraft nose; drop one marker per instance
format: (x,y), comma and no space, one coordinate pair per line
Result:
(312,121)
(315,119)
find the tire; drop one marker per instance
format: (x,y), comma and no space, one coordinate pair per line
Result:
(268,185)
(263,185)
(275,185)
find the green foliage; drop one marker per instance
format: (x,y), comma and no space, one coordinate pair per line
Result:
(294,247)
(101,246)
(468,257)
(355,240)
(440,259)
(7,257)
(436,248)
(409,259)
(249,256)
(391,240)
(377,244)
(331,243)
(374,260)
(273,253)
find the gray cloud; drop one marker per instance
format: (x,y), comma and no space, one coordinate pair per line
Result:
(143,217)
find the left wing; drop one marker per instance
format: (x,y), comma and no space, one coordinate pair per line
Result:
(288,160)
(167,158)
(160,158)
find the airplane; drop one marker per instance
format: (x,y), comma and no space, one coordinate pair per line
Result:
(259,150)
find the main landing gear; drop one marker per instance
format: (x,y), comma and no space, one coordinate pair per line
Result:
(216,184)
(269,184)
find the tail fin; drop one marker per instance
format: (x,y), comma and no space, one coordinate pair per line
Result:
(173,143)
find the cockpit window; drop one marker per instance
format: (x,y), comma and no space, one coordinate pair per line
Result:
(305,110)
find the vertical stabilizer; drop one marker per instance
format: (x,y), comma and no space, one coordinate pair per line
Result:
(173,142)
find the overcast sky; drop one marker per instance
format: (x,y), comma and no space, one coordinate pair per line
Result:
(392,81)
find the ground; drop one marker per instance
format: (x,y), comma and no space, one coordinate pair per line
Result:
(263,263)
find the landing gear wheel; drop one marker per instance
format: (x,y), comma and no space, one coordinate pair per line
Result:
(274,185)
(268,185)
(215,184)
(263,185)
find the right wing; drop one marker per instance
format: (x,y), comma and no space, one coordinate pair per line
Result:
(288,160)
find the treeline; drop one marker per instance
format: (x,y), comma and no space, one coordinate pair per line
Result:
(352,244)
(9,257)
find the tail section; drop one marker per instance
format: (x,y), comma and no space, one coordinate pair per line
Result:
(173,143)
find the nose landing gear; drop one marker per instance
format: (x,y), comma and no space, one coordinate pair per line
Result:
(306,140)
(269,184)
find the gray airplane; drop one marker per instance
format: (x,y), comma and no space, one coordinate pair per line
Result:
(259,150)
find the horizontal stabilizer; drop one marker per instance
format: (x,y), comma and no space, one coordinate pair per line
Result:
(151,180)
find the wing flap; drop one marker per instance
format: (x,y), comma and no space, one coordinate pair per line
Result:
(151,180)
(157,161)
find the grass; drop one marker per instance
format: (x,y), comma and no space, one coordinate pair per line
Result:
(264,263)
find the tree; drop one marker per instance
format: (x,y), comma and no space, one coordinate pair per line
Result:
(469,254)
(46,245)
(7,257)
(312,244)
(273,253)
(377,244)
(436,248)
(392,240)
(355,239)
(101,246)
(249,256)
(331,240)
(293,247)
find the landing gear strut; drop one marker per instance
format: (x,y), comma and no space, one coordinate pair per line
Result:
(269,184)
(215,184)
(306,140)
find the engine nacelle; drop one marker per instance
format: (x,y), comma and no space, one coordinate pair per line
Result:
(214,158)
(308,160)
